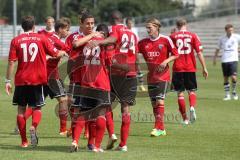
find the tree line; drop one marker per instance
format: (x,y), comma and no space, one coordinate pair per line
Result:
(99,8)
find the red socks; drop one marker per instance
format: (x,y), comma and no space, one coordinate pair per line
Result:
(28,112)
(36,117)
(21,122)
(110,123)
(192,99)
(92,131)
(126,120)
(182,107)
(63,120)
(77,127)
(100,129)
(159,116)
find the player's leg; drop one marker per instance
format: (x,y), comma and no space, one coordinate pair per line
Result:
(86,130)
(157,93)
(110,123)
(78,122)
(21,123)
(190,84)
(126,121)
(233,70)
(126,93)
(36,101)
(225,70)
(182,107)
(63,114)
(92,134)
(179,87)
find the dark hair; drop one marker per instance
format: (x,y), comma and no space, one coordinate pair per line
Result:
(104,28)
(228,26)
(129,19)
(181,22)
(67,20)
(116,16)
(85,16)
(27,23)
(61,23)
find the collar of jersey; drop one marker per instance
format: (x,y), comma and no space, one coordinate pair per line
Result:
(156,38)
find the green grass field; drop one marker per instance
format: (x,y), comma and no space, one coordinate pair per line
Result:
(215,135)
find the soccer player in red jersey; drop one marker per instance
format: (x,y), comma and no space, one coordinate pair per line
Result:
(55,87)
(184,68)
(49,30)
(92,86)
(123,70)
(29,49)
(156,51)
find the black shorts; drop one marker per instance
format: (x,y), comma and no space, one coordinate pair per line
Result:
(32,96)
(229,68)
(157,91)
(89,98)
(182,81)
(124,88)
(54,89)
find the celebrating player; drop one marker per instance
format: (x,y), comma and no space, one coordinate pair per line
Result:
(92,86)
(123,70)
(184,68)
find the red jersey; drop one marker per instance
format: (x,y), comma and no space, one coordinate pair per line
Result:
(126,48)
(155,51)
(73,54)
(52,64)
(30,49)
(186,42)
(92,71)
(46,33)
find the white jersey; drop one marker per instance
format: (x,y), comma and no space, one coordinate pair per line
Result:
(229,47)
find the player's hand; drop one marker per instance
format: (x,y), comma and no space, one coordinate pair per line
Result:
(205,73)
(92,44)
(62,54)
(162,67)
(97,34)
(8,88)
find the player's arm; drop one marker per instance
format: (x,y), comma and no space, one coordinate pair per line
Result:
(10,69)
(163,65)
(52,50)
(109,40)
(203,63)
(85,39)
(174,55)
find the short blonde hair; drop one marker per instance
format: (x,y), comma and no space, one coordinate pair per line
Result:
(155,22)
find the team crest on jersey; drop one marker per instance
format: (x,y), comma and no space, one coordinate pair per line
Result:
(160,46)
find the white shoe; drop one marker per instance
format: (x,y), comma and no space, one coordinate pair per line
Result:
(123,148)
(235,97)
(34,138)
(16,130)
(227,97)
(111,141)
(186,122)
(98,150)
(74,147)
(193,115)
